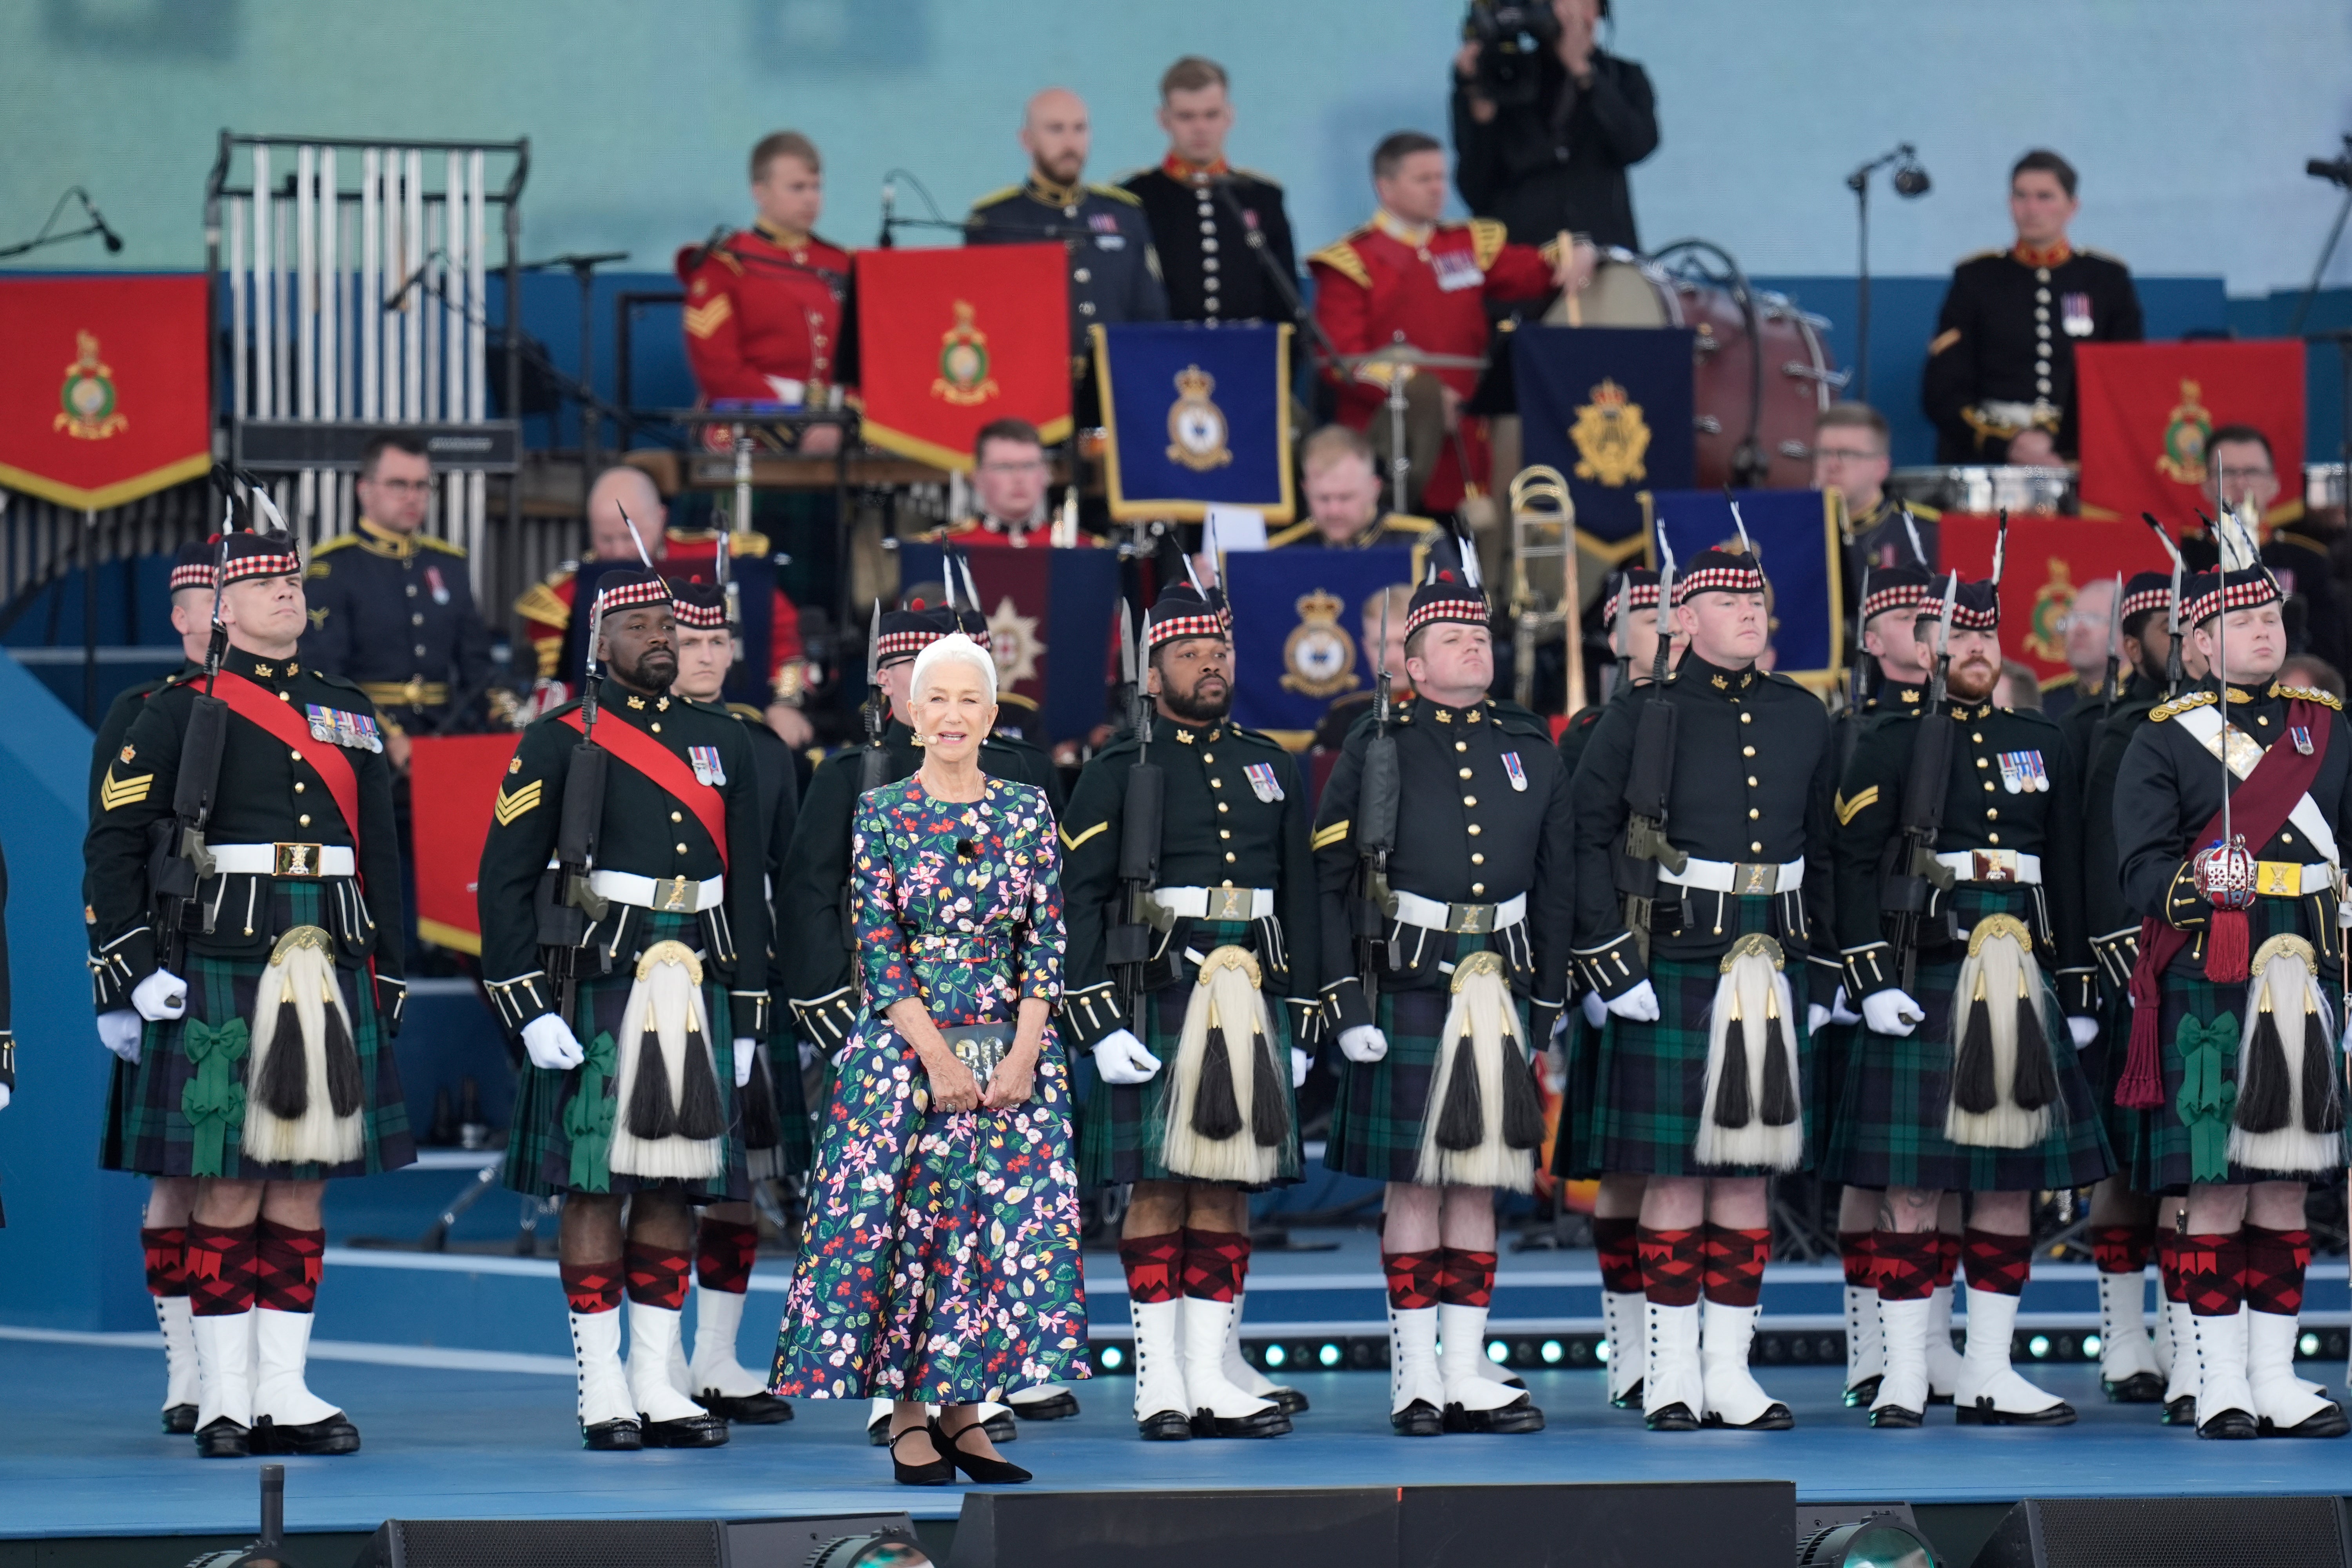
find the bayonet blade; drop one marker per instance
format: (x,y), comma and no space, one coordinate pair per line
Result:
(874,648)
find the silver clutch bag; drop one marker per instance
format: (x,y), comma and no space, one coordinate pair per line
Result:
(981,1048)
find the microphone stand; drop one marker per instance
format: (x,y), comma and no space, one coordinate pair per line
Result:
(46,239)
(2335,174)
(584,274)
(1859,184)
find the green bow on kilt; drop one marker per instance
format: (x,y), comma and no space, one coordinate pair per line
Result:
(588,1117)
(2207,1094)
(213,1098)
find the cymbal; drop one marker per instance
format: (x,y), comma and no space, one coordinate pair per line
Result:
(1406,353)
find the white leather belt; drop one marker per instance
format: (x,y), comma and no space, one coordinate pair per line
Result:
(667,895)
(2285,879)
(283,860)
(1741,877)
(1216,903)
(1992,865)
(1462,919)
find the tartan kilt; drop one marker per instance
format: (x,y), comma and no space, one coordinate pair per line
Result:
(2102,1068)
(113,1133)
(1650,1080)
(1376,1124)
(1572,1150)
(538,1146)
(1888,1129)
(795,1142)
(1120,1125)
(1835,1047)
(2160,1154)
(151,1132)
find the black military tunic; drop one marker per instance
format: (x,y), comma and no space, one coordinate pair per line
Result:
(1235,817)
(817,962)
(2110,921)
(1114,271)
(780,799)
(1482,818)
(395,613)
(2007,334)
(1212,271)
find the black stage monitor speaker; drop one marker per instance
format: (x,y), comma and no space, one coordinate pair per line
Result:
(1707,1524)
(2170,1532)
(616,1543)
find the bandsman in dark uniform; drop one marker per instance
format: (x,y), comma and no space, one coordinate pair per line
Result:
(635,971)
(392,607)
(1698,1082)
(1214,254)
(776,1139)
(1114,271)
(1384,615)
(163,1229)
(263,970)
(1965,1077)
(1229,949)
(2000,384)
(1340,482)
(1452,987)
(2232,1064)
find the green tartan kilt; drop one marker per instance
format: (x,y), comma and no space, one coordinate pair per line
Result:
(151,1133)
(2161,1150)
(2102,1068)
(1651,1077)
(1572,1146)
(1120,1125)
(539,1155)
(1888,1129)
(1376,1124)
(795,1143)
(1834,1050)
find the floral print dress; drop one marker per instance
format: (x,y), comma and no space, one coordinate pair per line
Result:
(941,1260)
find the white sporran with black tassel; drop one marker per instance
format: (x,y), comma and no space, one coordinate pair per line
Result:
(1751,1111)
(304,1090)
(671,1121)
(1483,1122)
(1228,1110)
(2289,1116)
(2004,1084)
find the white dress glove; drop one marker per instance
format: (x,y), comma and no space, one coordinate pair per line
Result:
(2083,1029)
(549,1042)
(1892,1011)
(1301,1064)
(4,1096)
(1841,1009)
(808,1056)
(1596,1011)
(1815,1016)
(1640,1004)
(118,1032)
(161,997)
(1122,1059)
(1363,1045)
(746,1048)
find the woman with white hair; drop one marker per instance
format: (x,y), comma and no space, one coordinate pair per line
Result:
(941,1260)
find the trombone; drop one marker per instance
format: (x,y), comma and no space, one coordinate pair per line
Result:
(1544,594)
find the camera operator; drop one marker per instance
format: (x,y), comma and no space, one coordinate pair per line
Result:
(1546,123)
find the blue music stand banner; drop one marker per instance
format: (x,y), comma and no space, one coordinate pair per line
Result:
(1052,622)
(1298,639)
(1199,417)
(1611,408)
(1796,538)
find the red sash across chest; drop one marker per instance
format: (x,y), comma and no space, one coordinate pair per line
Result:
(668,771)
(260,706)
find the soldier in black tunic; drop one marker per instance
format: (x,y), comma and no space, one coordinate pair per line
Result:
(1232,933)
(2000,384)
(1457,981)
(2232,1063)
(263,976)
(641,1028)
(1964,1079)
(1697,1082)
(1219,230)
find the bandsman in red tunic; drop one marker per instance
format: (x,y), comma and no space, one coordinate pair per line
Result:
(1406,275)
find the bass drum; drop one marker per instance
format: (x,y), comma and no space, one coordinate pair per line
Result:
(1731,403)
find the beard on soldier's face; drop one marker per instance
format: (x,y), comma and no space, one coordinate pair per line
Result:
(1972,680)
(1195,707)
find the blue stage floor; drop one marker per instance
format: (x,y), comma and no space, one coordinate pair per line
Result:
(79,1455)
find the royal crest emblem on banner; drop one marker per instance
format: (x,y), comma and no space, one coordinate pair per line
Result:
(87,396)
(1611,439)
(2045,629)
(963,377)
(1013,643)
(2183,460)
(1319,658)
(1196,426)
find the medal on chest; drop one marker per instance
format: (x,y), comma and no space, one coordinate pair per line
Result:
(708,770)
(1518,773)
(1264,781)
(440,589)
(2301,735)
(2021,772)
(1456,271)
(339,728)
(2076,309)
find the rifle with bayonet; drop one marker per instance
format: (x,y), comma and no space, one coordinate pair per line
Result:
(874,762)
(2174,676)
(1127,944)
(1649,781)
(1850,729)
(1376,823)
(179,861)
(1910,870)
(1620,638)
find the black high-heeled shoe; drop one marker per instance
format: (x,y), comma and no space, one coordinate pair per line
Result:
(987,1472)
(938,1473)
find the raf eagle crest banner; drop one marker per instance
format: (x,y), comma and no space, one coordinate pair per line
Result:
(1796,538)
(1301,642)
(1199,417)
(1611,408)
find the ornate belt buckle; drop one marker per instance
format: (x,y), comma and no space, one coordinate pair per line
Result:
(2278,878)
(1992,865)
(1749,879)
(674,893)
(1470,919)
(1230,903)
(296,859)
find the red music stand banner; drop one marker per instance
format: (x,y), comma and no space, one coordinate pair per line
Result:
(950,339)
(454,782)
(104,396)
(2049,560)
(2146,410)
